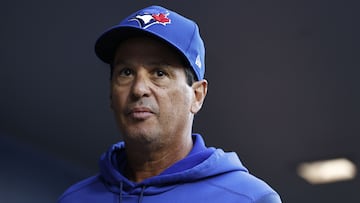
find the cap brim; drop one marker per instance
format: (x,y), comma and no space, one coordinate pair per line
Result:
(107,43)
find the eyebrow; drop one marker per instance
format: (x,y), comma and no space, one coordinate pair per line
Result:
(117,62)
(159,63)
(151,63)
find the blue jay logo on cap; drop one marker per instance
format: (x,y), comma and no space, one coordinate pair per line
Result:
(146,20)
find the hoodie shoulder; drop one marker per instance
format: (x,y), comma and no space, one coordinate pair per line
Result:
(247,185)
(225,171)
(81,189)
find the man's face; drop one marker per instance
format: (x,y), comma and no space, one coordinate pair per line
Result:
(150,97)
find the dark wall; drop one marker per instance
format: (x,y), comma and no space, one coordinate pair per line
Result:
(30,175)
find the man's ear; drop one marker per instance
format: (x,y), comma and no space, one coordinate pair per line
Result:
(111,102)
(110,96)
(111,84)
(200,91)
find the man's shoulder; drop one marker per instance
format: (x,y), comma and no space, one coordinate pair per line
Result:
(245,184)
(80,187)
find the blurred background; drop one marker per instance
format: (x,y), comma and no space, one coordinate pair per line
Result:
(283,90)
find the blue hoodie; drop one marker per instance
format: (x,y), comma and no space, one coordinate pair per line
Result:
(206,175)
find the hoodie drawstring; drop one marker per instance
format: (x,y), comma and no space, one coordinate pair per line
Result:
(120,192)
(141,194)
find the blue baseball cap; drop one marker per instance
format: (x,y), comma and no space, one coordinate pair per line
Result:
(166,25)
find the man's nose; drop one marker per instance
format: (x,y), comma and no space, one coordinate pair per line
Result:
(141,85)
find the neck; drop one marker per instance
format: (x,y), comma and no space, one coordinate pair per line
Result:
(148,161)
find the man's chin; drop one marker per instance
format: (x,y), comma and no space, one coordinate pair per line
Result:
(139,134)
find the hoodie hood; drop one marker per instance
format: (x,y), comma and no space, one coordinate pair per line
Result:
(200,163)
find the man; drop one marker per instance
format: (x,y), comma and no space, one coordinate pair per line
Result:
(157,86)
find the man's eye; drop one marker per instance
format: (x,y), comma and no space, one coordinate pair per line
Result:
(125,72)
(160,73)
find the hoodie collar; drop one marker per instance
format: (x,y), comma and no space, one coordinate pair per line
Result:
(201,162)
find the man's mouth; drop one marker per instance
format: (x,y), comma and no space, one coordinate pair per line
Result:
(140,113)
